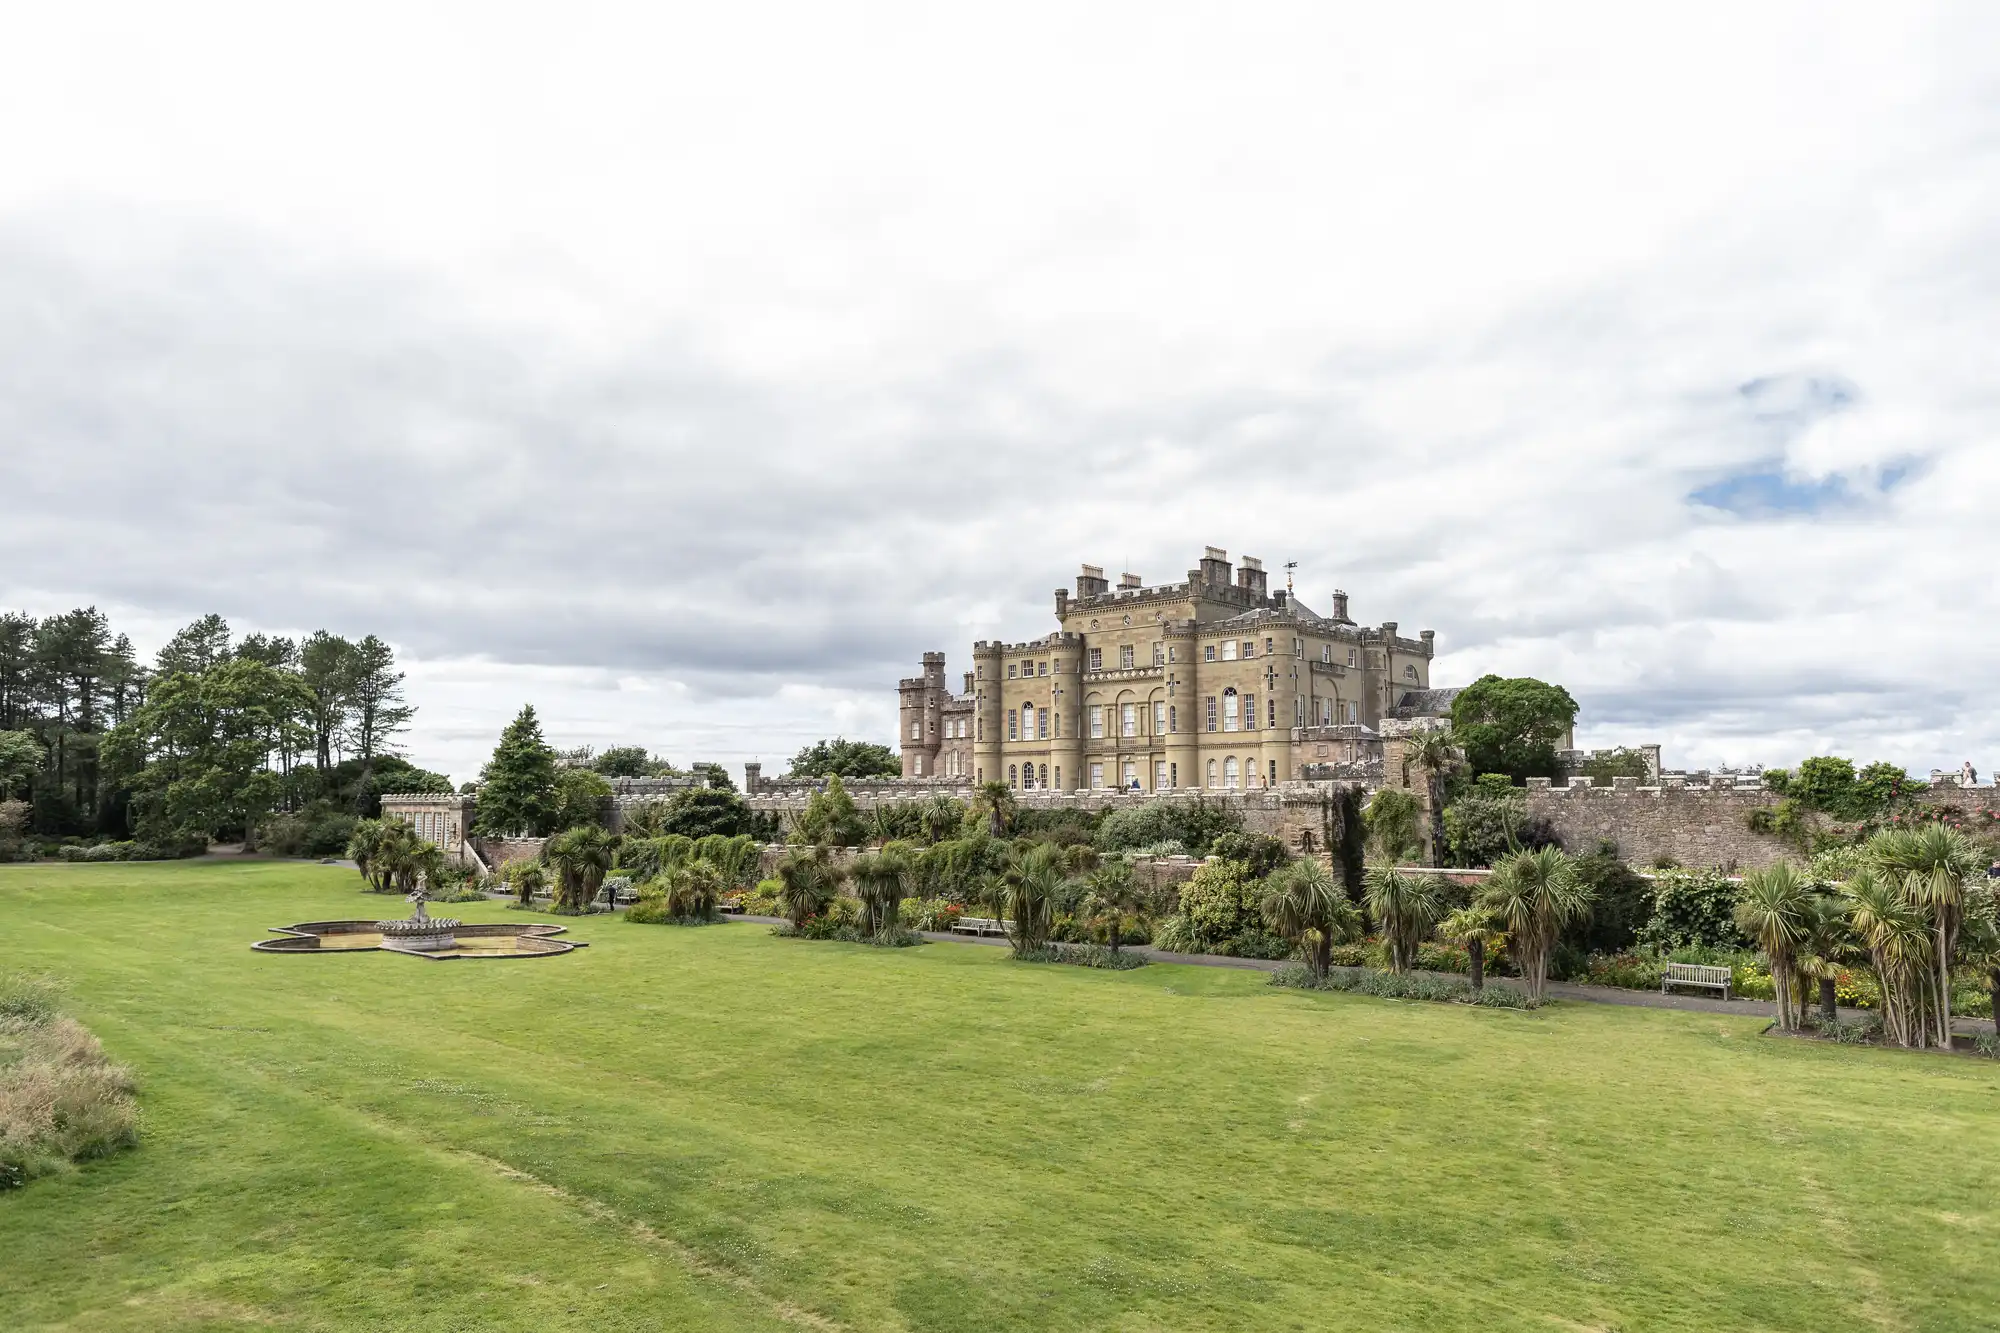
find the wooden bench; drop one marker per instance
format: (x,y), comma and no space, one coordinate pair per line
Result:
(978,925)
(1695,974)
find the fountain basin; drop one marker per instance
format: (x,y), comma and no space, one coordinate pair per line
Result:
(486,940)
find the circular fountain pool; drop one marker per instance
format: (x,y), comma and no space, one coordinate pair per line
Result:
(444,939)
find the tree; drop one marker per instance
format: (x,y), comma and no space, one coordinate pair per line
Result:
(830,816)
(17,635)
(328,666)
(1773,908)
(1115,898)
(517,791)
(1434,755)
(1534,894)
(581,858)
(713,774)
(529,880)
(994,802)
(1305,906)
(1512,726)
(1393,818)
(377,711)
(194,755)
(1032,884)
(940,817)
(1408,907)
(880,880)
(1931,865)
(844,758)
(1897,935)
(196,648)
(808,883)
(1479,930)
(364,848)
(20,756)
(580,797)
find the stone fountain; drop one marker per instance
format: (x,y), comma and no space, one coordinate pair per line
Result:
(420,932)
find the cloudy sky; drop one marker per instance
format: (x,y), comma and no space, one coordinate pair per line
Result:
(689,370)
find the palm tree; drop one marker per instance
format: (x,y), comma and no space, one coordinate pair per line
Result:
(395,857)
(1115,898)
(528,882)
(692,890)
(581,857)
(1478,930)
(880,880)
(1932,865)
(807,885)
(1534,895)
(995,800)
(362,848)
(432,867)
(1826,946)
(1031,885)
(1436,755)
(1897,935)
(1305,906)
(940,817)
(1774,909)
(1408,907)
(1980,939)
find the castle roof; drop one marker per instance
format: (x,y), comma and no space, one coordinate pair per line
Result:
(1425,703)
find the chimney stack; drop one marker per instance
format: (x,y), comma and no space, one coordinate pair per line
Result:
(1340,607)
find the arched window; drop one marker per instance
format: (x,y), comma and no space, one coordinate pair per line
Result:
(1231,716)
(1211,772)
(1045,775)
(1027,777)
(1027,722)
(1173,717)
(1013,776)
(1229,772)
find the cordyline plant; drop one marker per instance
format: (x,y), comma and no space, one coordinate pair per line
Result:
(1534,895)
(1306,906)
(1408,907)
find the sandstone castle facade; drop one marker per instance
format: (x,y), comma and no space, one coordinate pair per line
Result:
(1214,682)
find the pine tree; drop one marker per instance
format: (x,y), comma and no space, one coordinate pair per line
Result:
(378,708)
(517,792)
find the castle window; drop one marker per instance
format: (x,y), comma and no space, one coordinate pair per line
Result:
(1249,712)
(1129,778)
(1353,711)
(1013,776)
(1042,726)
(982,727)
(1173,655)
(1159,719)
(1173,717)
(1027,668)
(1027,722)
(1097,720)
(1231,717)
(1211,772)
(1249,649)
(1353,657)
(1159,654)
(1274,773)
(1211,712)
(1013,726)
(1271,706)
(1010,671)
(1125,655)
(1128,719)
(1208,652)
(1058,722)
(1299,711)
(1096,776)
(1229,651)
(1326,652)
(979,672)
(1298,647)
(1410,671)
(918,771)
(1173,775)
(1058,777)
(1229,772)
(1097,659)
(1041,668)
(1027,777)
(1159,774)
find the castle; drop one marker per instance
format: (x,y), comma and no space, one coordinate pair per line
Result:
(1215,682)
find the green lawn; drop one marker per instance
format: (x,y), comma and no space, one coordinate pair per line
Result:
(717,1129)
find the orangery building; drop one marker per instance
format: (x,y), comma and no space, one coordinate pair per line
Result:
(1214,681)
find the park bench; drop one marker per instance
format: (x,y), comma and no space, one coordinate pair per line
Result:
(978,925)
(1695,974)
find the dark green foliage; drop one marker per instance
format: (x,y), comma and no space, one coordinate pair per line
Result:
(319,831)
(1400,986)
(1692,909)
(1194,824)
(715,775)
(580,798)
(1621,903)
(1063,827)
(1394,821)
(1349,831)
(1829,785)
(517,792)
(1512,726)
(1258,854)
(1486,824)
(1619,763)
(1082,955)
(623,761)
(844,758)
(830,817)
(697,812)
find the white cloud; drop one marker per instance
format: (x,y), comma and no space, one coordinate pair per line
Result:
(689,370)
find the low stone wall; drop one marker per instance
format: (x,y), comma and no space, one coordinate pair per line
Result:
(1694,826)
(498,852)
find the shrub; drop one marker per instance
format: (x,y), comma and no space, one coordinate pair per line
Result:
(1083,955)
(1258,854)
(1219,902)
(1692,908)
(1402,986)
(1194,825)
(61,1100)
(933,914)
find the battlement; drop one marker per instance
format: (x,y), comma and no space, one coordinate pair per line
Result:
(995,648)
